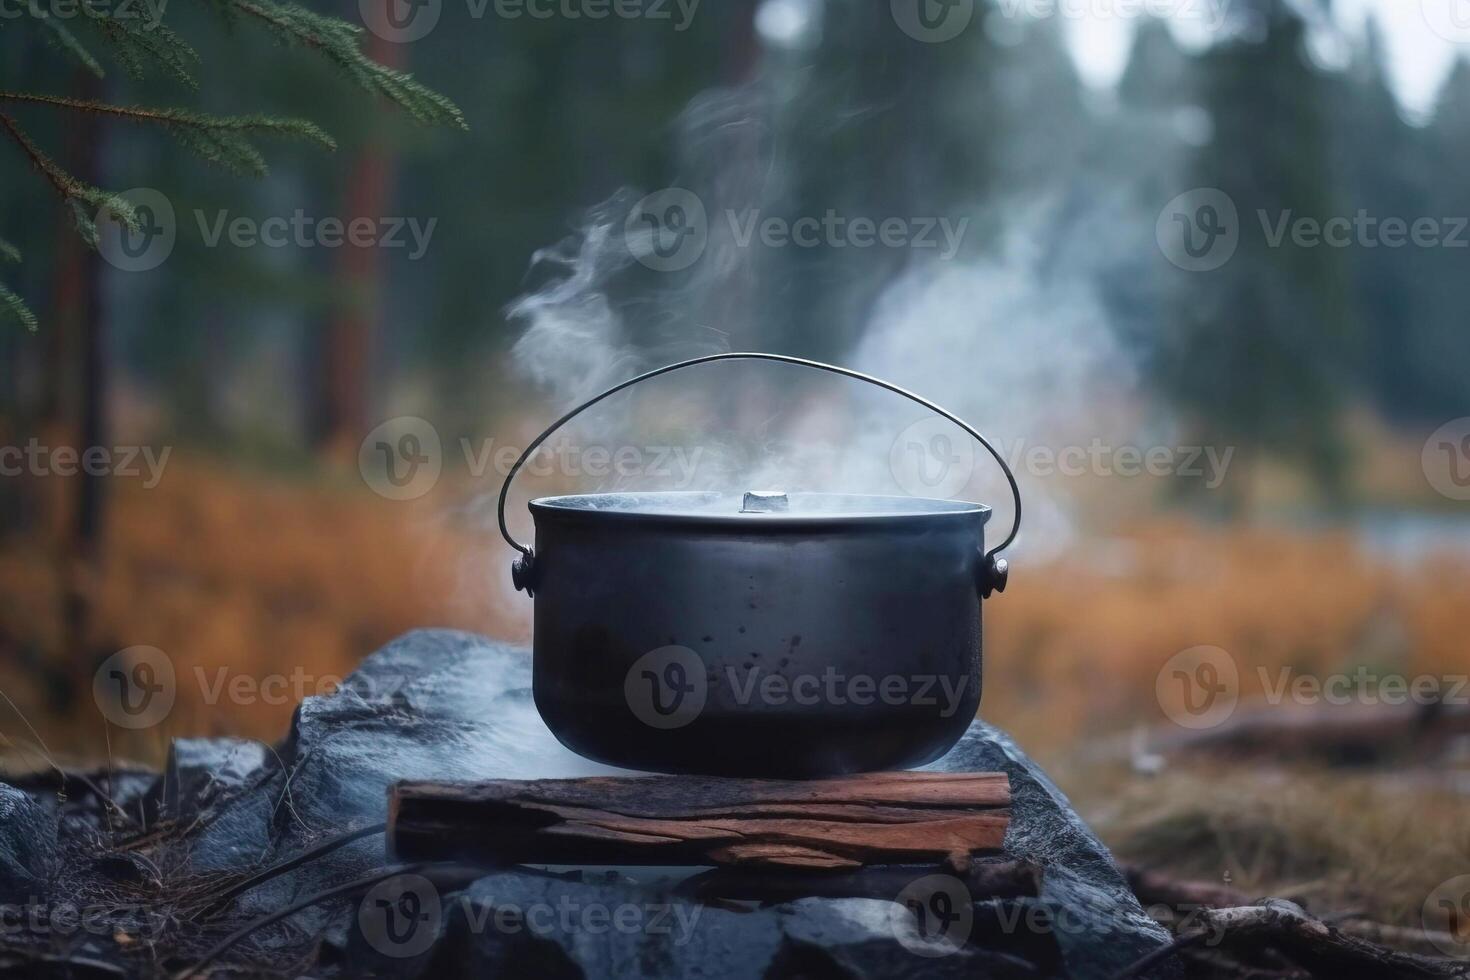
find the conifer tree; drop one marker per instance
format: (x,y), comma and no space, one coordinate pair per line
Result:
(145,48)
(1257,350)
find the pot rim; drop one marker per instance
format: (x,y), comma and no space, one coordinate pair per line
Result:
(884,510)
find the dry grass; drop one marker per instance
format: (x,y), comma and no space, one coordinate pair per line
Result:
(1336,842)
(233,571)
(1073,649)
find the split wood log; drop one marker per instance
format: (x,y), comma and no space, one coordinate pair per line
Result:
(828,824)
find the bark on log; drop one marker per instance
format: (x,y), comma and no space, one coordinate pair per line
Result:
(829,824)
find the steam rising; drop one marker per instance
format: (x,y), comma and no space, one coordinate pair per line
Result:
(1014,338)
(574,341)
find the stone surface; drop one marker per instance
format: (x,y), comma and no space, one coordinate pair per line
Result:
(27,847)
(447,705)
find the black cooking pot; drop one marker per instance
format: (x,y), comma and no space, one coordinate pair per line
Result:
(758,633)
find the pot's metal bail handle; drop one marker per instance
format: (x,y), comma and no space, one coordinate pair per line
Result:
(994,571)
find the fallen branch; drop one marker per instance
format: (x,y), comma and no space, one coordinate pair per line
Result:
(1317,947)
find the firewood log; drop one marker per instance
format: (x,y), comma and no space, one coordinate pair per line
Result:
(828,824)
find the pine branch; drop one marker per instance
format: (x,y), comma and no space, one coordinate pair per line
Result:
(338,42)
(138,43)
(85,200)
(10,304)
(139,46)
(13,306)
(221,140)
(81,196)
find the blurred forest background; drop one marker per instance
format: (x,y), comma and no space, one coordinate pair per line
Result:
(1324,547)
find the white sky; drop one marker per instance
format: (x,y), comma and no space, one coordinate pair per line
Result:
(1422,38)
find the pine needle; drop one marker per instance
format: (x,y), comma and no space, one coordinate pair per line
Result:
(221,140)
(13,307)
(339,42)
(85,200)
(139,46)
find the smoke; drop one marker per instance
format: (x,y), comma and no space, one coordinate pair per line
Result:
(1012,335)
(1016,344)
(574,341)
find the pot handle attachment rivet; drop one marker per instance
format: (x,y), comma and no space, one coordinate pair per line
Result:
(994,574)
(993,569)
(523,573)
